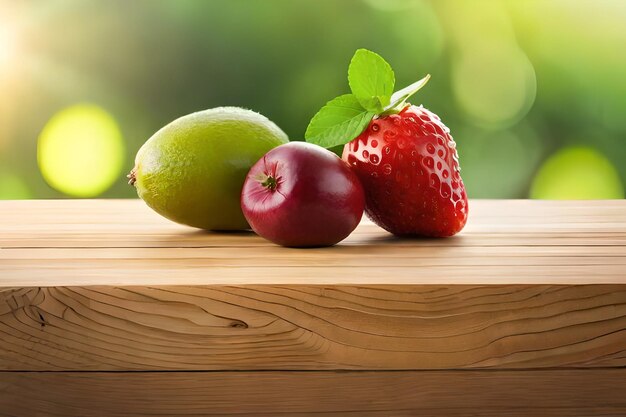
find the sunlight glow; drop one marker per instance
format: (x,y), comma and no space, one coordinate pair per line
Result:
(7,45)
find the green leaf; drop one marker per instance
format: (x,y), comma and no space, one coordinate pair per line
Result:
(338,122)
(371,80)
(399,98)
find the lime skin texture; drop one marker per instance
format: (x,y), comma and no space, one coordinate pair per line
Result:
(192,170)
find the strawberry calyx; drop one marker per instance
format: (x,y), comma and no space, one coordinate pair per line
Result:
(372,82)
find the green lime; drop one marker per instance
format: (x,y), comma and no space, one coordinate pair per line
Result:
(192,170)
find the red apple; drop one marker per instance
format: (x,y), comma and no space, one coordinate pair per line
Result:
(302,195)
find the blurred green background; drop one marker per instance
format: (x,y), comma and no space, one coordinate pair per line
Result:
(534,91)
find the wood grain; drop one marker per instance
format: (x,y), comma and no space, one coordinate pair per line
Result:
(122,242)
(427,393)
(312,327)
(106,309)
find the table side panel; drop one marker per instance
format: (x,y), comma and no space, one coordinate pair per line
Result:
(282,327)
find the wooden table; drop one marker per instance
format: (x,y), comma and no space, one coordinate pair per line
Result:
(107,309)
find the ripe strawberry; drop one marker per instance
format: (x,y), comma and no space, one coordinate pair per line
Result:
(404,156)
(409,168)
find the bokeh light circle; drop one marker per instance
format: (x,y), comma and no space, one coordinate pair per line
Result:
(414,54)
(495,85)
(577,173)
(485,152)
(81,151)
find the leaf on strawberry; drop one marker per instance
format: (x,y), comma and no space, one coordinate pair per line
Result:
(371,80)
(338,122)
(399,98)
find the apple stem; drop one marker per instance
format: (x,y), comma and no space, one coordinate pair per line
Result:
(269,182)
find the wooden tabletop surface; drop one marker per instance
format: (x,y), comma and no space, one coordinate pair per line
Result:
(107,309)
(122,242)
